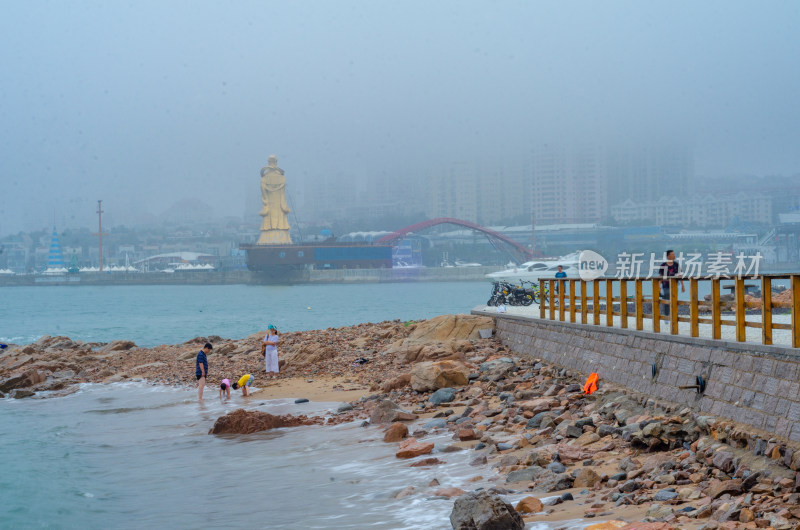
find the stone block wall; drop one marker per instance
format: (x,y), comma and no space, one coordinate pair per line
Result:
(748,383)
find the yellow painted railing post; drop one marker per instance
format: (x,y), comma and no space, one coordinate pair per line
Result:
(552,299)
(638,303)
(693,309)
(623,303)
(766,310)
(610,303)
(542,300)
(741,330)
(562,286)
(572,300)
(716,310)
(656,307)
(596,301)
(795,283)
(584,303)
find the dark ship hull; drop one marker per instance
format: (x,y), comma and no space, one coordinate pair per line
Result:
(291,263)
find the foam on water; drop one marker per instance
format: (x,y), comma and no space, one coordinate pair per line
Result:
(131,455)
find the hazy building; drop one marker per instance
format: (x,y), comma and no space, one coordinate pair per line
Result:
(478,192)
(569,183)
(648,172)
(700,211)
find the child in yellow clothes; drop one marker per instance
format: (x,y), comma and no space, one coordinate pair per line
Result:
(244,382)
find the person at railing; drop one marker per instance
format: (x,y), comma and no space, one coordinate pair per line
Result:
(669,268)
(560,274)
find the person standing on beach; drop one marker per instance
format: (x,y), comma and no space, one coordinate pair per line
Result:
(201,369)
(270,352)
(669,268)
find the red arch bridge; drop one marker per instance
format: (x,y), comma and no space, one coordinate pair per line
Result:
(496,239)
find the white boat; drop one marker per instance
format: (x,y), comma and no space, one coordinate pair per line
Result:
(533,271)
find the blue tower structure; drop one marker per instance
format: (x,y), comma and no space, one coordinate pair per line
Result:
(55,259)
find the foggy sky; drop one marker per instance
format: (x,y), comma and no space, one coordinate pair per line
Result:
(143,104)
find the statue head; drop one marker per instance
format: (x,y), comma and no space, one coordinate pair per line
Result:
(272,166)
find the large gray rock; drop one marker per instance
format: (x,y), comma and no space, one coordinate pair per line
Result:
(19,393)
(484,511)
(387,411)
(443,395)
(525,475)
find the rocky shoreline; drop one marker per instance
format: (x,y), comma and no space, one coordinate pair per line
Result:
(612,456)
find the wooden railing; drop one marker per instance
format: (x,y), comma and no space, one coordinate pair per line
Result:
(571,302)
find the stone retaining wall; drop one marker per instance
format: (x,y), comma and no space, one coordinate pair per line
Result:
(749,383)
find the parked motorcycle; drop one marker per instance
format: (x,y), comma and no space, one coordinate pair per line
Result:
(506,293)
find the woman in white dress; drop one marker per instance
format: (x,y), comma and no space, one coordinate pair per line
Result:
(271,352)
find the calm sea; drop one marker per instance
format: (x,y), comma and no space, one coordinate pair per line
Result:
(152,315)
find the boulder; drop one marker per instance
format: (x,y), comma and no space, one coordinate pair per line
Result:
(449,492)
(435,375)
(659,511)
(387,411)
(57,342)
(19,393)
(443,395)
(425,462)
(17,381)
(466,434)
(555,481)
(484,511)
(411,448)
(396,432)
(123,345)
(586,478)
(525,475)
(719,488)
(25,380)
(401,381)
(529,505)
(724,460)
(450,328)
(241,421)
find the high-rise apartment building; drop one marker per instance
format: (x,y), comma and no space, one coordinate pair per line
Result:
(569,183)
(649,172)
(477,192)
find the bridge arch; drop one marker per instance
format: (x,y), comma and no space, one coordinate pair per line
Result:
(518,251)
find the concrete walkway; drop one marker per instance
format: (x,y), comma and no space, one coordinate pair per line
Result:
(780,337)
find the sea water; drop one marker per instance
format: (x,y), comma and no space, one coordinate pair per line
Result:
(171,314)
(138,456)
(135,455)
